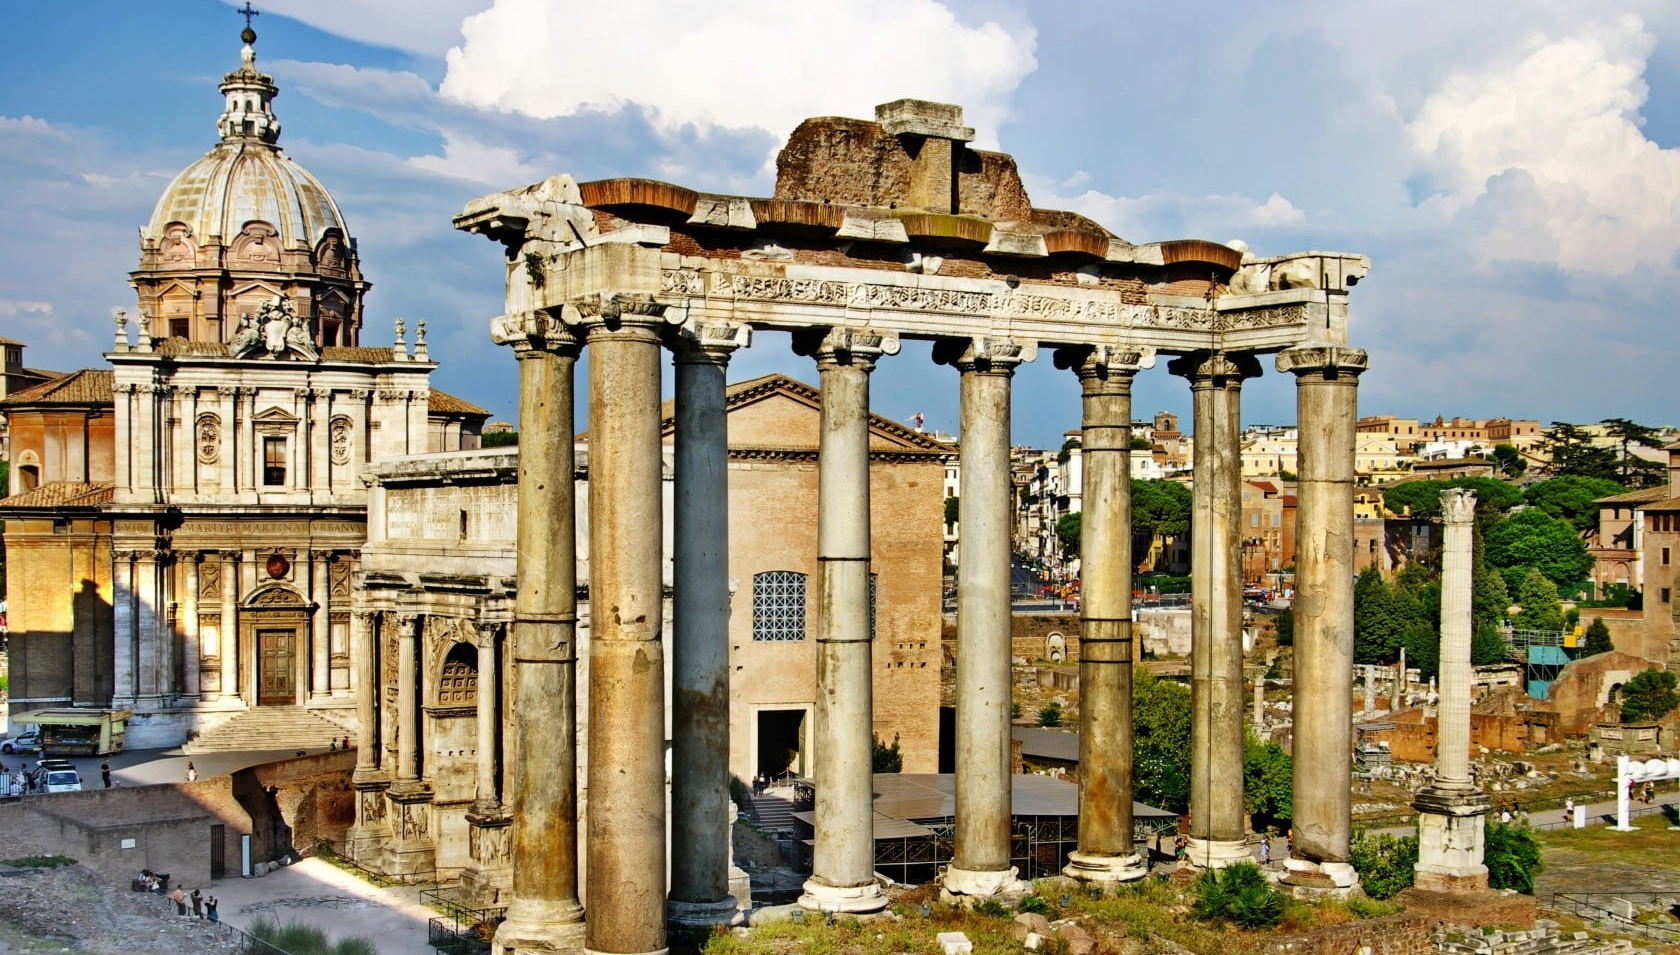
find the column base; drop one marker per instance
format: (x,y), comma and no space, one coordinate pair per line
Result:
(1318,880)
(847,899)
(725,911)
(1087,867)
(961,886)
(540,929)
(1216,853)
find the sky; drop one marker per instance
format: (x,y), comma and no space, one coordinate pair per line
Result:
(1512,169)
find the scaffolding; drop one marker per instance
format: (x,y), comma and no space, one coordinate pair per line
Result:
(1543,654)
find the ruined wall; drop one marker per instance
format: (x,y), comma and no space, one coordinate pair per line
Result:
(1403,934)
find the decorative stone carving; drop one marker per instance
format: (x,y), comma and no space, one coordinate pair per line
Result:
(209,438)
(209,580)
(277,597)
(178,250)
(276,330)
(258,244)
(339,440)
(329,254)
(373,806)
(338,573)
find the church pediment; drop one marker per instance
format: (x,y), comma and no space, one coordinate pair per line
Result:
(274,415)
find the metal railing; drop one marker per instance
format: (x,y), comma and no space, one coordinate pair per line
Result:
(1601,907)
(462,929)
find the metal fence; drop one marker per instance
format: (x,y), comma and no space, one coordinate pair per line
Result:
(1623,909)
(462,929)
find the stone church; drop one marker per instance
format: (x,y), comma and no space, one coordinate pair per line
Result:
(183,525)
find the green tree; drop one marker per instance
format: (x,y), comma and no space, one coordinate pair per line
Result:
(1140,443)
(1489,600)
(953,509)
(1161,741)
(1598,638)
(1538,598)
(1385,863)
(884,758)
(1063,455)
(1533,538)
(1509,459)
(1512,856)
(1422,499)
(1268,780)
(1160,511)
(1571,497)
(1572,452)
(1632,470)
(1068,528)
(1487,647)
(1050,714)
(498,439)
(1649,696)
(1377,628)
(1284,625)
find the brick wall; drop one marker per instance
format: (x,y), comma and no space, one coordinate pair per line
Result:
(1403,934)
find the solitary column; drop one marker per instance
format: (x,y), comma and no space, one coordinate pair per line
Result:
(411,853)
(1326,390)
(545,915)
(487,878)
(700,808)
(1106,851)
(368,835)
(626,865)
(843,857)
(228,629)
(980,867)
(1217,835)
(320,633)
(1450,809)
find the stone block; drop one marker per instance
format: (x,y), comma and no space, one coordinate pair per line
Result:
(954,943)
(1028,923)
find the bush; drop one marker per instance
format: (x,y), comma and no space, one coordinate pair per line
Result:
(1238,893)
(1512,856)
(1035,903)
(298,938)
(1384,863)
(1050,715)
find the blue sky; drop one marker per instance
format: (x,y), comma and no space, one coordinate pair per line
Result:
(1512,169)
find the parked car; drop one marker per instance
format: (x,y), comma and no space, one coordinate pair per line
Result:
(57,776)
(21,743)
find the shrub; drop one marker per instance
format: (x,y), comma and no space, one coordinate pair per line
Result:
(1050,715)
(1512,856)
(1384,863)
(1237,893)
(1035,903)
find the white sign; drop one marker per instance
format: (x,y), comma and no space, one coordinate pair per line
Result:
(1638,771)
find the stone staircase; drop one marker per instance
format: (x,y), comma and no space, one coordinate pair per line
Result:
(268,728)
(774,809)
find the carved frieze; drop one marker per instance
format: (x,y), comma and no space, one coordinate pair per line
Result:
(209,579)
(339,440)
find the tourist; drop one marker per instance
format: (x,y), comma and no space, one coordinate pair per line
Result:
(180,900)
(1569,809)
(1266,849)
(210,909)
(198,904)
(332,745)
(105,772)
(1649,793)
(1505,816)
(192,772)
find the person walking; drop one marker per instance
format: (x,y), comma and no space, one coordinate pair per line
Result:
(1266,849)
(1569,809)
(105,772)
(180,900)
(192,772)
(210,909)
(198,904)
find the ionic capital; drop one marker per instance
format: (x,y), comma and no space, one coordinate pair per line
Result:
(841,345)
(1458,505)
(709,343)
(534,334)
(1329,361)
(1215,368)
(984,355)
(1105,361)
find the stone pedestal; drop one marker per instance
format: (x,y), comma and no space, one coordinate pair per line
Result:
(410,855)
(364,841)
(487,881)
(1450,839)
(1216,853)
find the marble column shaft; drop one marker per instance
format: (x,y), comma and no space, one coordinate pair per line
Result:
(843,856)
(488,714)
(124,623)
(320,630)
(408,710)
(981,859)
(1106,852)
(1217,832)
(700,806)
(543,798)
(369,686)
(1452,734)
(626,861)
(1326,390)
(191,662)
(228,630)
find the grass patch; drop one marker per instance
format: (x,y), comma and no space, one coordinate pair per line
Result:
(1650,844)
(299,938)
(40,862)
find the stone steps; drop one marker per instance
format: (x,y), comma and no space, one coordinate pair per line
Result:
(268,728)
(774,810)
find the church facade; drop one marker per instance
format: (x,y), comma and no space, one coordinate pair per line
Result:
(185,531)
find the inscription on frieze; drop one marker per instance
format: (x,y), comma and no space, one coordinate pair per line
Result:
(272,528)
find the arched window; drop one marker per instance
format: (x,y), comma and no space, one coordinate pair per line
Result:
(778,605)
(458,685)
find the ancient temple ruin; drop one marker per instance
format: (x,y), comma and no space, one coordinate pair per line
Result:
(881,231)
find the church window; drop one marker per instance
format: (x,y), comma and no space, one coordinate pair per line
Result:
(1665,557)
(29,477)
(778,605)
(274,461)
(178,328)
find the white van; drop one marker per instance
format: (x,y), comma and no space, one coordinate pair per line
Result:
(58,776)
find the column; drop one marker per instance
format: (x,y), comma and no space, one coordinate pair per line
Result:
(1217,834)
(228,632)
(1451,809)
(320,628)
(1106,851)
(843,858)
(123,624)
(191,654)
(367,836)
(1326,390)
(980,864)
(149,630)
(545,915)
(411,855)
(488,877)
(701,812)
(626,862)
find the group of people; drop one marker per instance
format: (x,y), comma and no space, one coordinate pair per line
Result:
(760,783)
(203,906)
(336,745)
(1644,793)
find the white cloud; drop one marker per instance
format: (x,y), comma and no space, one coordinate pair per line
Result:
(10,308)
(1168,215)
(1542,152)
(429,27)
(466,158)
(748,64)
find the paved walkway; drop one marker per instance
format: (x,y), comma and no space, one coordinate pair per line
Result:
(316,893)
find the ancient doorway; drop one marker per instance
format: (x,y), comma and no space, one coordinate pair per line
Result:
(276,667)
(781,742)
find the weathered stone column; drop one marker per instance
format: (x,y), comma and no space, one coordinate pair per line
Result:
(320,630)
(1450,809)
(488,878)
(980,865)
(228,630)
(150,653)
(1106,850)
(191,654)
(370,831)
(411,855)
(124,623)
(545,915)
(700,808)
(625,867)
(1326,393)
(1217,834)
(843,858)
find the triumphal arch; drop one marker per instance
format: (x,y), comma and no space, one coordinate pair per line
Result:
(878,232)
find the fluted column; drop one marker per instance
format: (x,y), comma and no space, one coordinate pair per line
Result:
(545,915)
(191,654)
(980,863)
(228,632)
(843,858)
(625,866)
(1326,389)
(1106,850)
(1450,809)
(411,855)
(700,807)
(320,630)
(1217,834)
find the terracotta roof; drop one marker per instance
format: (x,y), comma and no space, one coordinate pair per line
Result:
(188,346)
(1645,495)
(365,355)
(1672,504)
(442,402)
(61,494)
(10,341)
(90,386)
